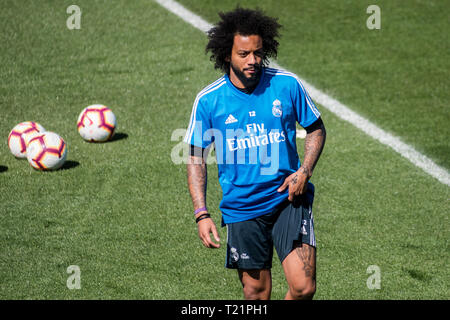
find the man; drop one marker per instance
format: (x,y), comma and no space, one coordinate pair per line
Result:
(250,114)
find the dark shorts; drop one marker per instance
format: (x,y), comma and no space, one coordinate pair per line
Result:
(250,243)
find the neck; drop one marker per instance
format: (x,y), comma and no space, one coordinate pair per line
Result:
(247,90)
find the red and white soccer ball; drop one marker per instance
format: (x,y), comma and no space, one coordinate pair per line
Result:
(20,135)
(96,123)
(46,151)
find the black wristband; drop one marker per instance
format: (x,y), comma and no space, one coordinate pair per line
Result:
(202,216)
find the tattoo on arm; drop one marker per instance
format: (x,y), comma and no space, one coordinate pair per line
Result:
(314,144)
(197,180)
(305,171)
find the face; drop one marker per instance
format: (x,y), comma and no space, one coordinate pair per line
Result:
(246,60)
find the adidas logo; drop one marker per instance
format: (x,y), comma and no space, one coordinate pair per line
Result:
(230,119)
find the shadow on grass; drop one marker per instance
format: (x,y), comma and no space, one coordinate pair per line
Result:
(69,164)
(118,136)
(3,169)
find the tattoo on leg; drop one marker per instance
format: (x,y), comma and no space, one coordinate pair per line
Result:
(306,254)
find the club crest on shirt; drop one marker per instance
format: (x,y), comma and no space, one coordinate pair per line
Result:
(234,254)
(276,108)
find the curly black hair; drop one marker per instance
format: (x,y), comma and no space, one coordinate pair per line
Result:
(245,22)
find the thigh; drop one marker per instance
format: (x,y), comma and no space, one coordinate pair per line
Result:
(300,266)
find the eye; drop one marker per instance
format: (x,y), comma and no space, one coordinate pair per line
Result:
(259,53)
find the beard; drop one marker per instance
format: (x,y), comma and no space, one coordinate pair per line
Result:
(252,80)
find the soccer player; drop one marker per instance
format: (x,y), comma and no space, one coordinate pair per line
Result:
(250,114)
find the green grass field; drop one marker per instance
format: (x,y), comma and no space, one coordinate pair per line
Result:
(121,210)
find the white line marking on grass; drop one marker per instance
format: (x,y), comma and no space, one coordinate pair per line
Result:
(379,134)
(185,14)
(340,110)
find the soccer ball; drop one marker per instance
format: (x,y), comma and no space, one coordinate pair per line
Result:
(96,123)
(20,135)
(46,151)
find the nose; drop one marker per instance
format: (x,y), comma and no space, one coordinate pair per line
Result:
(251,59)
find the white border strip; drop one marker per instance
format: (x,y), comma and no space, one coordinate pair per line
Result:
(340,110)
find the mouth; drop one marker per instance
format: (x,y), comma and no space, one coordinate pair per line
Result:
(251,71)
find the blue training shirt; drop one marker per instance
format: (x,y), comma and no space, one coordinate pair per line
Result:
(255,138)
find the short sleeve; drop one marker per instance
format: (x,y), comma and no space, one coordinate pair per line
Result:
(199,126)
(306,111)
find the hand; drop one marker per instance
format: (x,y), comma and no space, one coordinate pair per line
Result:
(205,228)
(297,183)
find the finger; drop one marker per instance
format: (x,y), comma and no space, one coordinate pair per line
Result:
(283,186)
(212,244)
(291,194)
(203,235)
(206,238)
(203,239)
(215,234)
(209,243)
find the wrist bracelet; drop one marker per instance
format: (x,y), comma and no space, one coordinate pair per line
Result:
(202,216)
(200,210)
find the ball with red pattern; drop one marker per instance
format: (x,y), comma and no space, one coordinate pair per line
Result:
(46,151)
(20,136)
(96,123)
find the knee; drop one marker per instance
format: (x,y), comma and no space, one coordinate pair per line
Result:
(256,292)
(303,290)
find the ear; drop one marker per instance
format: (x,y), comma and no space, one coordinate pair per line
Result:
(228,58)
